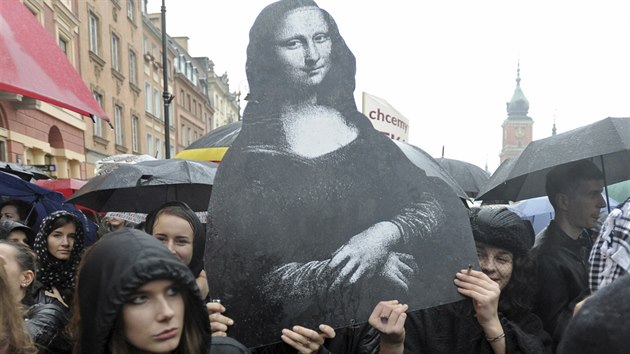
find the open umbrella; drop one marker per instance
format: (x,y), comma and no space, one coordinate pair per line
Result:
(143,186)
(212,146)
(33,65)
(44,201)
(606,143)
(25,172)
(430,166)
(470,177)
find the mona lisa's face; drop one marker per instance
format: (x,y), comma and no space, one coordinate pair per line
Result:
(303,46)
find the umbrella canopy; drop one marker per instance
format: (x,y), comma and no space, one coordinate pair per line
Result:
(65,186)
(33,65)
(25,172)
(470,177)
(143,186)
(212,146)
(430,166)
(110,163)
(44,201)
(606,143)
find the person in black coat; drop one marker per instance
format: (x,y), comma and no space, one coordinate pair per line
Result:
(134,295)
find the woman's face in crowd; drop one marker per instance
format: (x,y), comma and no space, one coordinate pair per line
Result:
(303,46)
(9,212)
(8,257)
(18,236)
(153,317)
(176,234)
(115,222)
(61,241)
(495,262)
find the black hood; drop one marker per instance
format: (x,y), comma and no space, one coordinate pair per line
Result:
(113,269)
(199,232)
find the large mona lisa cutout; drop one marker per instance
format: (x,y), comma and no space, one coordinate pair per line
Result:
(316,216)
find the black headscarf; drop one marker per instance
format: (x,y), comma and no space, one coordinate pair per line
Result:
(55,272)
(199,233)
(116,265)
(498,226)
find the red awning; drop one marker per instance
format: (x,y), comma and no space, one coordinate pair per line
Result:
(33,65)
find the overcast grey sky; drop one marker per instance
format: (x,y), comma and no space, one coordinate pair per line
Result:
(450,66)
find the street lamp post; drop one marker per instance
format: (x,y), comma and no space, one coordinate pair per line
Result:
(166,95)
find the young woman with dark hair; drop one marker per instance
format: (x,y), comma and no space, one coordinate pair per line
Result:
(140,298)
(58,245)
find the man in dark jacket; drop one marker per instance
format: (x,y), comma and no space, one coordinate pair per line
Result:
(561,250)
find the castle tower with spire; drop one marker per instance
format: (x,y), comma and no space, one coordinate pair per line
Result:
(517,127)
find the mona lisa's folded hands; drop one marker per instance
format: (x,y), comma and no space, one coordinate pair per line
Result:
(364,253)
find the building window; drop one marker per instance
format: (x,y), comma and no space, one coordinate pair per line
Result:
(63,44)
(156,103)
(148,94)
(93,28)
(182,97)
(133,68)
(145,45)
(194,107)
(98,123)
(189,136)
(150,144)
(158,148)
(183,135)
(131,10)
(143,4)
(115,52)
(118,125)
(135,134)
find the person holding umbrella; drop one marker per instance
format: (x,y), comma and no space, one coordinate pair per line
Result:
(562,249)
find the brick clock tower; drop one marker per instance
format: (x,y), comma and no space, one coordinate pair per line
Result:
(517,128)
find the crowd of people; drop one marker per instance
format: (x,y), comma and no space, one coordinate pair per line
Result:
(145,289)
(142,288)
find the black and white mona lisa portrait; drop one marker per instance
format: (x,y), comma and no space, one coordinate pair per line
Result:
(315,216)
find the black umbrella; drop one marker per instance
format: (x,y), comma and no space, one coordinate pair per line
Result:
(25,172)
(470,177)
(143,186)
(430,166)
(606,143)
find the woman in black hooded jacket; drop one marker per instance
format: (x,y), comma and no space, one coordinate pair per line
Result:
(118,276)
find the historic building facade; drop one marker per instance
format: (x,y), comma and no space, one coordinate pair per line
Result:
(110,56)
(517,127)
(116,47)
